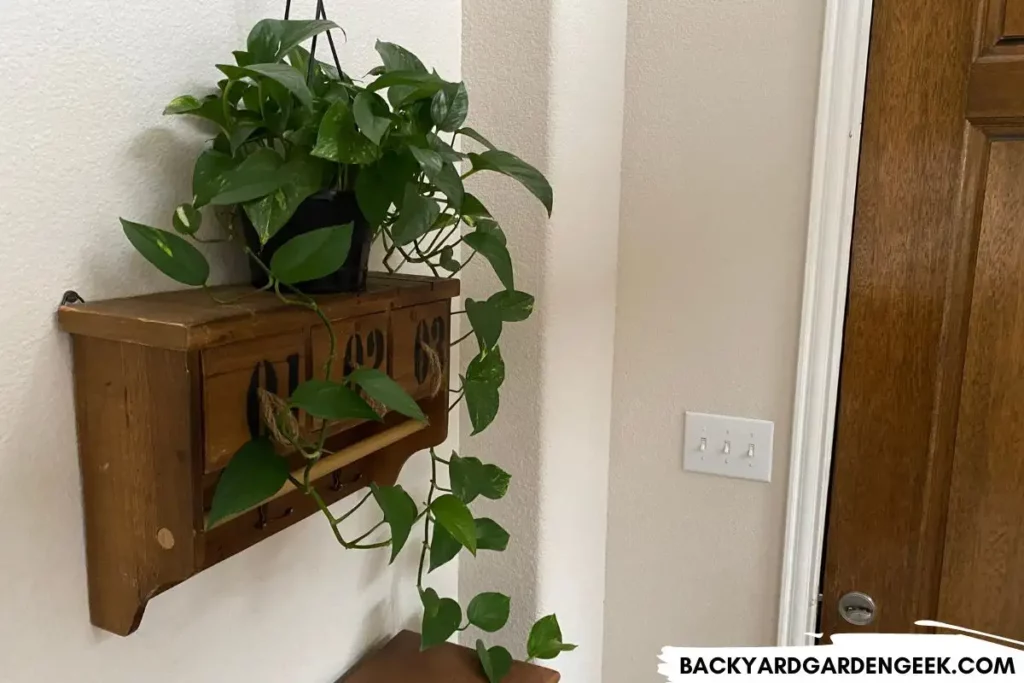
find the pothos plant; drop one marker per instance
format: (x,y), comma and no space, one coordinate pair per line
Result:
(288,126)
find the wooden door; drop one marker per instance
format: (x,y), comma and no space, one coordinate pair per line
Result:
(926,512)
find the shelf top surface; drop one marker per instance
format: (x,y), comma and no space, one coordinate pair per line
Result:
(196,318)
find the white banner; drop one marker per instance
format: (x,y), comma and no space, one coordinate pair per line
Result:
(853,656)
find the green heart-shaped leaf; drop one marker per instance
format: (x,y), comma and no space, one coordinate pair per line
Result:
(172,255)
(464,474)
(397,58)
(482,403)
(243,58)
(304,177)
(284,75)
(292,32)
(496,661)
(234,73)
(187,219)
(331,401)
(371,115)
(489,611)
(253,474)
(485,319)
(443,547)
(484,376)
(399,514)
(312,255)
(472,134)
(256,176)
(450,106)
(471,478)
(512,306)
(340,140)
(185,104)
(211,108)
(442,174)
(493,248)
(386,391)
(455,517)
(429,160)
(240,135)
(416,216)
(382,184)
(446,151)
(208,177)
(487,368)
(512,166)
(407,88)
(490,535)
(441,619)
(263,42)
(473,207)
(545,640)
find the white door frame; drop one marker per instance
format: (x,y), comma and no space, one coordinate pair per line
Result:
(833,192)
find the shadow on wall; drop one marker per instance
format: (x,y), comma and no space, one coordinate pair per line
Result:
(43,478)
(506,65)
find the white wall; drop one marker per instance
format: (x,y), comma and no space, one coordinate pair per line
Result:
(714,171)
(546,82)
(720,103)
(83,142)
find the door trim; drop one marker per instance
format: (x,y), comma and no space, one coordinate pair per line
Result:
(847,34)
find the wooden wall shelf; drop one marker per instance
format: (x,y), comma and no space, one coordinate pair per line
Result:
(166,392)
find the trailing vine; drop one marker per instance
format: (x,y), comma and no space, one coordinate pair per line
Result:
(289,126)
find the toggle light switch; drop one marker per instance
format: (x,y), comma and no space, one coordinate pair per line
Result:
(708,446)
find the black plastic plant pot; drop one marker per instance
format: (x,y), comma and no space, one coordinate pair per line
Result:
(322,210)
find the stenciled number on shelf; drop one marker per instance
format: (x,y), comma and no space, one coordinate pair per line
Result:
(432,335)
(356,351)
(267,379)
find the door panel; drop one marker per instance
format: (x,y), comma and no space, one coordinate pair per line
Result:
(907,311)
(1005,23)
(927,496)
(984,551)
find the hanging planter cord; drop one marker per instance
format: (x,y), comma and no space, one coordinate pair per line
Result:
(321,13)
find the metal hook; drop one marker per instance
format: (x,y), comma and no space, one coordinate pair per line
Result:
(262,520)
(70,298)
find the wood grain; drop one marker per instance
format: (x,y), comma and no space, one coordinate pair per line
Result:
(996,91)
(228,373)
(191,319)
(1013,19)
(908,294)
(983,569)
(400,661)
(414,327)
(928,477)
(166,392)
(134,433)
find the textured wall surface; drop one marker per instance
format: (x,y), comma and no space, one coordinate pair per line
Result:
(720,102)
(547,77)
(83,142)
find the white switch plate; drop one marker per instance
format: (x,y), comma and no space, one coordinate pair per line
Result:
(748,442)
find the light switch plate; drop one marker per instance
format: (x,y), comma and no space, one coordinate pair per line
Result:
(728,446)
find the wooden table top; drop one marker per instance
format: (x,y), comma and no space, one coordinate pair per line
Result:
(400,661)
